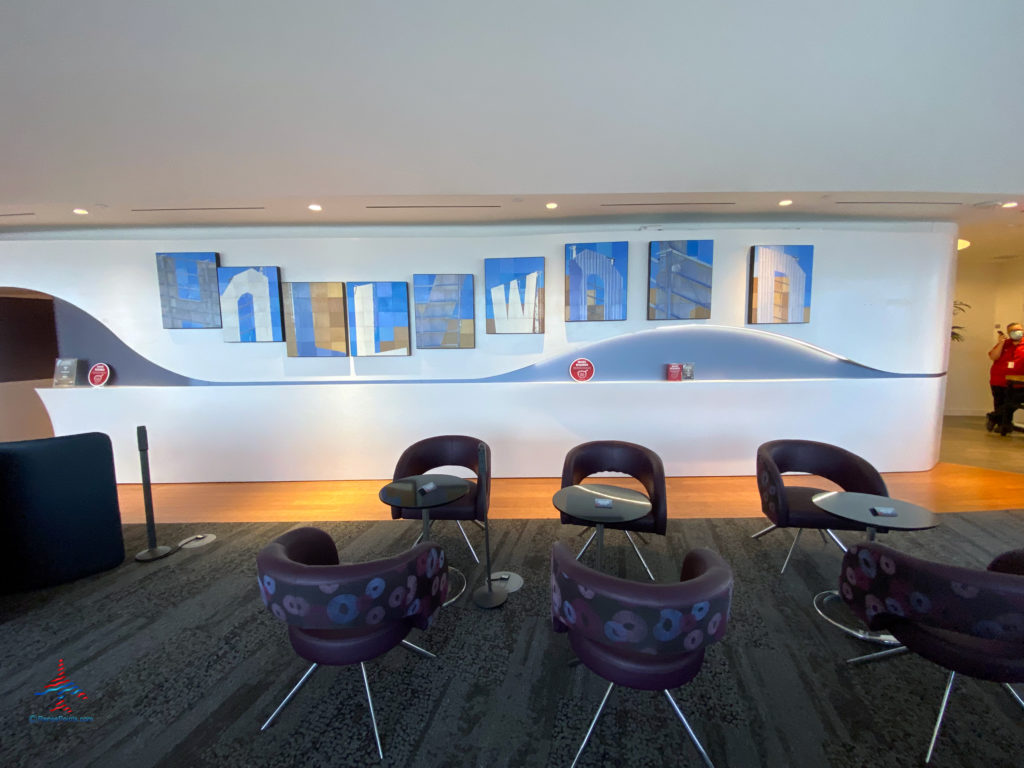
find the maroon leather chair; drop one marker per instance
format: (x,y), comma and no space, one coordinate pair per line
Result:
(646,636)
(631,459)
(348,614)
(791,506)
(443,451)
(966,620)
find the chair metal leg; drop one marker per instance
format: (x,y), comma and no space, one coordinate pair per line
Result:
(689,730)
(468,543)
(1014,694)
(942,712)
(639,555)
(584,529)
(373,717)
(878,655)
(417,649)
(479,524)
(418,539)
(836,539)
(288,697)
(823,539)
(761,533)
(592,724)
(586,545)
(791,548)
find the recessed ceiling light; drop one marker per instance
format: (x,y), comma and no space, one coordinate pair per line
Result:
(961,244)
(784,203)
(551,206)
(1010,204)
(315,207)
(80,211)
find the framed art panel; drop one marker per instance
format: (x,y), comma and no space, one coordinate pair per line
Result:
(378,319)
(780,283)
(189,297)
(250,303)
(316,324)
(444,311)
(595,281)
(679,280)
(514,294)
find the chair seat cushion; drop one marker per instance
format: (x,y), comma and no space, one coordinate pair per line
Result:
(1001,661)
(804,513)
(644,671)
(346,646)
(460,509)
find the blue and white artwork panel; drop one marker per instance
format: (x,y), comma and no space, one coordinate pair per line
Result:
(780,283)
(250,303)
(444,311)
(189,297)
(679,279)
(378,319)
(514,295)
(596,278)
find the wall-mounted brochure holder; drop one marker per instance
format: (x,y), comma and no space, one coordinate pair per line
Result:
(678,371)
(65,372)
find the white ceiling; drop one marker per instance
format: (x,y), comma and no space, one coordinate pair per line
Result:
(639,111)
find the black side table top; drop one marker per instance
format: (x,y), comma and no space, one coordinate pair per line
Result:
(582,502)
(876,511)
(424,491)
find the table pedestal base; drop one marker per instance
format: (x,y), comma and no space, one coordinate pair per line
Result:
(512,582)
(825,603)
(490,598)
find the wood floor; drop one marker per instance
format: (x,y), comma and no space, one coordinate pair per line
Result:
(946,488)
(972,476)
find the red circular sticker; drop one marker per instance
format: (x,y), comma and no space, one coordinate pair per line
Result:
(581,369)
(99,374)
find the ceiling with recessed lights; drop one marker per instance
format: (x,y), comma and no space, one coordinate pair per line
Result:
(462,111)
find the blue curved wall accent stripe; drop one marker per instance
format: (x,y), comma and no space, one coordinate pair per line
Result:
(718,353)
(81,335)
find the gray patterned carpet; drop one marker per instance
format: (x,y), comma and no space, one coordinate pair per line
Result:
(181,664)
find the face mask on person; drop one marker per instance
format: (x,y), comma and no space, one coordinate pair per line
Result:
(1016,335)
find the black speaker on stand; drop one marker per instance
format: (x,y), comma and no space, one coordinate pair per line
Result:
(490,595)
(154,552)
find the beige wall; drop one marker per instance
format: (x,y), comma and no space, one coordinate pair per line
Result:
(22,415)
(995,291)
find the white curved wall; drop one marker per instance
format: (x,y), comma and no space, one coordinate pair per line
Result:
(220,434)
(881,296)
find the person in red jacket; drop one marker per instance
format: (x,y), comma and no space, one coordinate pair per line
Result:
(1007,358)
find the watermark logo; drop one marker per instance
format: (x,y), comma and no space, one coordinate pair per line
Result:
(62,692)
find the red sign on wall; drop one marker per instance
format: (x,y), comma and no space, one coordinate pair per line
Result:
(581,369)
(99,374)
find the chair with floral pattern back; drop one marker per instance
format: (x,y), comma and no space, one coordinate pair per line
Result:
(347,614)
(967,620)
(645,636)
